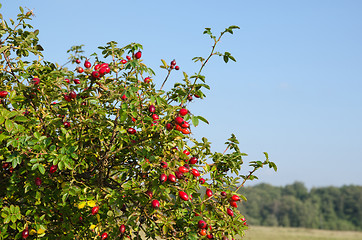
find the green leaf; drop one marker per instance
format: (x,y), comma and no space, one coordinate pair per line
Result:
(13,218)
(37,135)
(2,49)
(195,120)
(226,58)
(20,119)
(9,125)
(164,63)
(41,168)
(7,219)
(203,119)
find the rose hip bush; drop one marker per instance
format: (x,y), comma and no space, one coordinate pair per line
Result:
(93,150)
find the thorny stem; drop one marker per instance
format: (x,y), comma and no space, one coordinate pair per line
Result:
(168,74)
(203,65)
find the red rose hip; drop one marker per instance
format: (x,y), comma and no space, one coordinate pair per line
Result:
(183,196)
(122,228)
(183,111)
(3,94)
(138,55)
(104,235)
(95,210)
(209,192)
(155,203)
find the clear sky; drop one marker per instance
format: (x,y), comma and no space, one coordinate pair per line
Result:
(294,92)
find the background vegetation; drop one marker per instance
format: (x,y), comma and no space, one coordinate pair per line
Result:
(334,208)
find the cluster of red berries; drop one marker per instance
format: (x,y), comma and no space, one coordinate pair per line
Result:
(100,70)
(182,125)
(137,55)
(173,65)
(7,167)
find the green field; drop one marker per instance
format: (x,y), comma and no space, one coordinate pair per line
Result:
(278,233)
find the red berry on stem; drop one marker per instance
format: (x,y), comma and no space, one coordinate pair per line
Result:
(147,80)
(179,174)
(193,160)
(186,152)
(37,181)
(155,117)
(185,131)
(80,69)
(155,203)
(223,193)
(131,131)
(77,61)
(201,180)
(66,124)
(36,81)
(95,74)
(152,108)
(230,212)
(235,198)
(25,233)
(95,210)
(149,193)
(123,61)
(183,169)
(87,64)
(103,65)
(179,120)
(172,178)
(122,228)
(177,67)
(183,111)
(138,55)
(209,192)
(128,57)
(195,172)
(53,168)
(169,126)
(233,203)
(202,224)
(183,195)
(104,235)
(72,95)
(163,178)
(102,71)
(3,94)
(202,232)
(164,164)
(210,236)
(67,98)
(185,125)
(173,62)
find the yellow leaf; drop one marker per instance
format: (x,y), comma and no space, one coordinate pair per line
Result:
(40,231)
(32,232)
(98,217)
(92,227)
(81,205)
(91,203)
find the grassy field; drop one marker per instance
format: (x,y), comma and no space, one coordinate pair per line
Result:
(276,233)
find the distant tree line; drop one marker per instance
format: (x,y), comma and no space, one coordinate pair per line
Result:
(334,208)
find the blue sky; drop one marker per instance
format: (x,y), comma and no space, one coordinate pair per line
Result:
(294,92)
